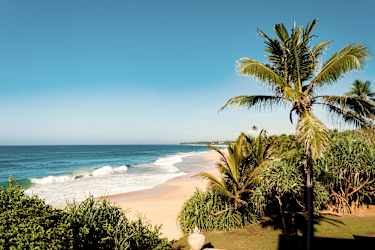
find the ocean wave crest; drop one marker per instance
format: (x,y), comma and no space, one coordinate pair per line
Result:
(99,172)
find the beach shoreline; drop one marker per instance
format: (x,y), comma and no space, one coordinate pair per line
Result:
(161,204)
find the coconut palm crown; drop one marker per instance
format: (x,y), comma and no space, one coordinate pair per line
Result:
(294,73)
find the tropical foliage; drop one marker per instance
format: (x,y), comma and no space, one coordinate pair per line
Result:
(294,75)
(100,225)
(28,223)
(348,172)
(210,211)
(239,168)
(344,179)
(362,89)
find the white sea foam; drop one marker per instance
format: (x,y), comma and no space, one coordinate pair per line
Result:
(168,163)
(107,180)
(108,170)
(100,172)
(59,193)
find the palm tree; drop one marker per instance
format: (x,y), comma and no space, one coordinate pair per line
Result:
(294,74)
(240,167)
(361,90)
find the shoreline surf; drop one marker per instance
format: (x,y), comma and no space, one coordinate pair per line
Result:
(110,180)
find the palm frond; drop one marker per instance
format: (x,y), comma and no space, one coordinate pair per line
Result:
(349,58)
(313,134)
(251,67)
(318,49)
(219,151)
(281,32)
(348,116)
(274,48)
(237,154)
(362,107)
(262,101)
(308,29)
(216,183)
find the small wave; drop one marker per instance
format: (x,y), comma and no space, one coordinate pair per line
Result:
(108,170)
(100,172)
(168,163)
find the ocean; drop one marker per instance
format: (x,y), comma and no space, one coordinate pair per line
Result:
(66,173)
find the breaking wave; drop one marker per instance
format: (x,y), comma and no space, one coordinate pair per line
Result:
(100,172)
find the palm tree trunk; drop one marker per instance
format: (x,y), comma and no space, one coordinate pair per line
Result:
(283,223)
(309,203)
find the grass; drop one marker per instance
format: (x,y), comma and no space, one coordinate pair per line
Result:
(257,237)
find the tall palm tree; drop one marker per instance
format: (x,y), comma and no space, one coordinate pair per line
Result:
(294,74)
(240,167)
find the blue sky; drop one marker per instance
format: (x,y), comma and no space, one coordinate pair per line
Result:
(110,72)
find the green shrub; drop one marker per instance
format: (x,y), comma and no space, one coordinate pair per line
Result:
(26,222)
(210,211)
(347,170)
(100,225)
(282,197)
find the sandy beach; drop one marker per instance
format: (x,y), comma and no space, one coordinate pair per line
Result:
(161,204)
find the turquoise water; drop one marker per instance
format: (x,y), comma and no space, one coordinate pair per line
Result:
(60,173)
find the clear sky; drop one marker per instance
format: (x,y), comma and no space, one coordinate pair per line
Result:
(136,71)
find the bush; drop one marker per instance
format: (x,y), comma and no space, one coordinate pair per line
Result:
(282,196)
(210,211)
(100,225)
(347,170)
(28,223)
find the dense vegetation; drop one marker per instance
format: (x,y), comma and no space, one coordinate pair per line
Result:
(347,170)
(26,222)
(210,211)
(261,180)
(295,74)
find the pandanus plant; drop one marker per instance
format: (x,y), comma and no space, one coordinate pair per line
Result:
(294,74)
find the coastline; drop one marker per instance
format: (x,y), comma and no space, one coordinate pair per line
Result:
(108,170)
(161,204)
